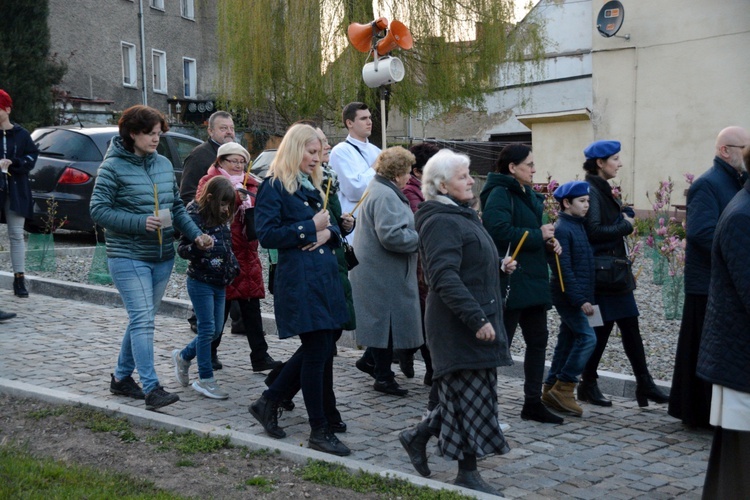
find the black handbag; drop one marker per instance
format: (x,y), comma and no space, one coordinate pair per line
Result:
(250,233)
(613,274)
(351,259)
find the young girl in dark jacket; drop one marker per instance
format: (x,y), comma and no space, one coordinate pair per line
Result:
(208,274)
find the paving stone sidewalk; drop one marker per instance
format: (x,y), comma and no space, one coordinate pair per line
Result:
(619,452)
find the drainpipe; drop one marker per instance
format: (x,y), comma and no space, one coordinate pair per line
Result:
(143,52)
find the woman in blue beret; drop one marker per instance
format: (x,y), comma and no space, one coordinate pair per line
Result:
(607,225)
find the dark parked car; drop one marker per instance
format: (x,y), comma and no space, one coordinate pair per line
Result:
(66,170)
(262,162)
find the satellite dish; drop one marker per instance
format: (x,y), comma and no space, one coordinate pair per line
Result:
(610,19)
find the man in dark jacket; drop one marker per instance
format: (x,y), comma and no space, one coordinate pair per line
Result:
(690,397)
(195,166)
(724,355)
(220,131)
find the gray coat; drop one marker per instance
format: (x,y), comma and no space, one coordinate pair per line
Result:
(384,284)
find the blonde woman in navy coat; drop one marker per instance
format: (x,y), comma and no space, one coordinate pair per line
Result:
(308,296)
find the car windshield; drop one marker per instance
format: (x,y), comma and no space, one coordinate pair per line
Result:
(66,144)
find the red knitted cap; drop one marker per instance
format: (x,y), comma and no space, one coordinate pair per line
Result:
(5,100)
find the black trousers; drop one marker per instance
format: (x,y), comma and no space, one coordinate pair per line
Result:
(533,323)
(382,360)
(329,396)
(253,321)
(308,370)
(728,465)
(632,343)
(690,397)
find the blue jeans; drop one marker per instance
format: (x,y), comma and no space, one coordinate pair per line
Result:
(208,304)
(141,285)
(575,343)
(307,370)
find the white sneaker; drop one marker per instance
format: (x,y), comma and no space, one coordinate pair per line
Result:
(503,426)
(209,388)
(181,368)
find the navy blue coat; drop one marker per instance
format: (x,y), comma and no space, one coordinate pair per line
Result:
(576,263)
(724,356)
(308,295)
(707,197)
(23,152)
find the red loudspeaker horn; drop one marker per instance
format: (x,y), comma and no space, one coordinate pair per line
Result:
(361,34)
(398,35)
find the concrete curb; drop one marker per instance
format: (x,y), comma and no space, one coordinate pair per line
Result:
(609,382)
(298,454)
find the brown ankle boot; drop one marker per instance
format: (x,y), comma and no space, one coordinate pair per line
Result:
(548,400)
(562,393)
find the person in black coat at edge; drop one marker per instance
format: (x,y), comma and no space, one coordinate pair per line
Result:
(19,154)
(724,355)
(690,397)
(607,224)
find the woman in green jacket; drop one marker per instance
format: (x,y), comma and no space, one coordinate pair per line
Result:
(134,195)
(510,207)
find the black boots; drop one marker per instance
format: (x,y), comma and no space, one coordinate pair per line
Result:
(4,315)
(267,413)
(324,440)
(538,412)
(646,389)
(215,363)
(473,480)
(406,363)
(414,442)
(19,286)
(588,392)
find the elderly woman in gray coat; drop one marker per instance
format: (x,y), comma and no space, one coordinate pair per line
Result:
(384,284)
(463,323)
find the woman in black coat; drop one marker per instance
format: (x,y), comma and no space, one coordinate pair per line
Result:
(19,155)
(607,225)
(463,323)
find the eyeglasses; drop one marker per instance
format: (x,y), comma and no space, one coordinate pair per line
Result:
(734,146)
(237,162)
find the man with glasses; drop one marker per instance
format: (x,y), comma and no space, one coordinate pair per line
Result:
(709,194)
(220,131)
(195,166)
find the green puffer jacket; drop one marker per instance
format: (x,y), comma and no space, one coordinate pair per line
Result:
(123,198)
(509,209)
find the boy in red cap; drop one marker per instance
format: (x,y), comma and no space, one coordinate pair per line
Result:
(19,155)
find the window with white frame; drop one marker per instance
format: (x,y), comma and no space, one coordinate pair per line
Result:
(187,9)
(129,73)
(157,4)
(159,69)
(189,74)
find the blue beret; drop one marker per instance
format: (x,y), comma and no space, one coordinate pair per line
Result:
(601,149)
(572,189)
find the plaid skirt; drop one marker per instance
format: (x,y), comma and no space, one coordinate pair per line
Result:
(465,421)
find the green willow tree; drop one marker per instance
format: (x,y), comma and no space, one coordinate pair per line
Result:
(27,72)
(296,55)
